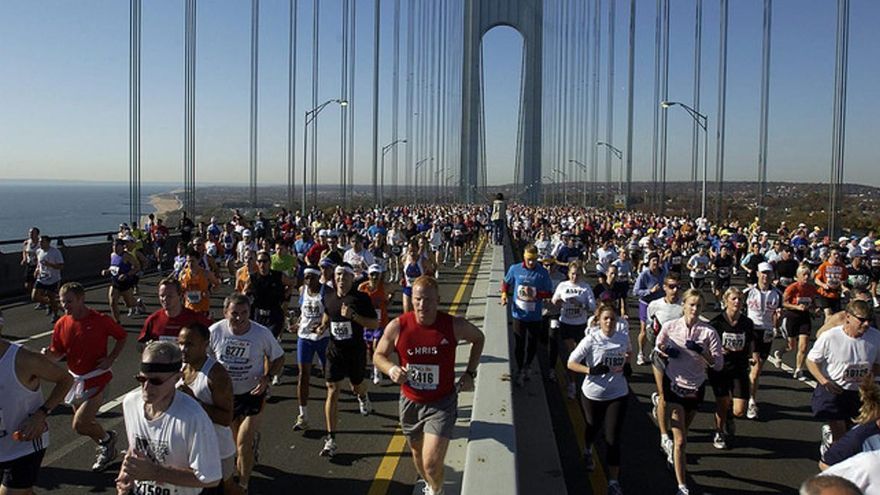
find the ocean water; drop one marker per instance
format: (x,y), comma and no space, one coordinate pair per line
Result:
(67,208)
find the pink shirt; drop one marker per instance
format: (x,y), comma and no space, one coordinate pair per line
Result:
(688,369)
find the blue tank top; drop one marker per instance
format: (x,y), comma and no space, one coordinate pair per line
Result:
(118,266)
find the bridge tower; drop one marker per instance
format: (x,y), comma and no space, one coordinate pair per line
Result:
(527,17)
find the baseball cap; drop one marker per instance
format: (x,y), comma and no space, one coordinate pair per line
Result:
(375,268)
(843,239)
(327,263)
(246,233)
(765,267)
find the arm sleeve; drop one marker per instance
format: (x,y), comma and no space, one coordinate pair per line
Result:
(589,299)
(817,353)
(273,348)
(579,354)
(715,348)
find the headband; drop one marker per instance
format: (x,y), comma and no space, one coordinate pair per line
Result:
(312,271)
(160,367)
(346,269)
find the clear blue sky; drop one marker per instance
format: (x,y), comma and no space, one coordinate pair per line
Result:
(64,88)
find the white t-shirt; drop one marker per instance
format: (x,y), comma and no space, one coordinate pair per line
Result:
(182,437)
(664,311)
(595,348)
(359,261)
(242,355)
(761,305)
(48,275)
(862,469)
(843,359)
(699,265)
(577,302)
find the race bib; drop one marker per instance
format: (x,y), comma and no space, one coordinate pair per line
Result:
(768,335)
(340,330)
(236,351)
(423,376)
(855,372)
(614,361)
(114,270)
(311,310)
(573,313)
(786,281)
(732,341)
(151,488)
(682,389)
(193,296)
(675,260)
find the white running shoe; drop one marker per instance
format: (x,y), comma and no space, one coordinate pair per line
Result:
(799,375)
(826,440)
(752,410)
(669,450)
(682,490)
(365,405)
(640,360)
(276,380)
(377,376)
(329,449)
(719,441)
(107,453)
(302,424)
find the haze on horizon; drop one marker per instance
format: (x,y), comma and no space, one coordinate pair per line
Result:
(65,90)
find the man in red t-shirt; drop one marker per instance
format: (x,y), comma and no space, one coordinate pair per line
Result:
(425,340)
(81,335)
(165,324)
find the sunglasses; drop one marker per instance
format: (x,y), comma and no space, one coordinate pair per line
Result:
(152,381)
(673,287)
(862,321)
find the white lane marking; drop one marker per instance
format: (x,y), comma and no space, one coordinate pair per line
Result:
(789,369)
(33,337)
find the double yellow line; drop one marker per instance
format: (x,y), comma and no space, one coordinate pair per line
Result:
(385,471)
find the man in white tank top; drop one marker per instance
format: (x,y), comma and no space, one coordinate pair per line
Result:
(208,382)
(24,433)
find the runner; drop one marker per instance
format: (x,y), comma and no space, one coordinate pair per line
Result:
(603,354)
(122,270)
(764,304)
(648,286)
(829,280)
(428,398)
(374,287)
(81,336)
(50,262)
(722,267)
(530,284)
(24,432)
(208,382)
(310,340)
(166,323)
(195,283)
(730,385)
(799,302)
(172,443)
(243,347)
(267,289)
(689,346)
(29,259)
(698,265)
(661,311)
(413,268)
(346,313)
(575,299)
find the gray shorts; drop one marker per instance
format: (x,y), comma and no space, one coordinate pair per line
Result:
(437,418)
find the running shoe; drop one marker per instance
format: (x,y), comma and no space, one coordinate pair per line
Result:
(588,460)
(799,375)
(377,376)
(826,440)
(572,391)
(752,410)
(682,490)
(107,453)
(776,358)
(302,424)
(640,360)
(719,442)
(365,405)
(614,488)
(329,449)
(668,449)
(276,380)
(655,399)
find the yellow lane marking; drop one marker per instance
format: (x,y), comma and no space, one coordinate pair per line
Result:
(597,477)
(385,472)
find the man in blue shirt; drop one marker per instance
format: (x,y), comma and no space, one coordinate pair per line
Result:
(531,284)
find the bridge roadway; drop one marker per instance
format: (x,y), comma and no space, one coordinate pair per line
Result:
(771,455)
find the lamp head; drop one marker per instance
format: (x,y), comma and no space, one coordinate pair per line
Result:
(342,103)
(665,104)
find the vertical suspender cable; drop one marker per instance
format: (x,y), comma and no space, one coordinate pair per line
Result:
(395,97)
(410,18)
(695,143)
(655,148)
(838,138)
(343,111)
(629,99)
(564,100)
(291,102)
(316,14)
(722,108)
(255,50)
(349,110)
(376,10)
(597,36)
(609,120)
(765,103)
(664,90)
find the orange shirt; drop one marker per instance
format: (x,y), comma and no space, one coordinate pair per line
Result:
(798,293)
(195,291)
(834,275)
(379,299)
(242,277)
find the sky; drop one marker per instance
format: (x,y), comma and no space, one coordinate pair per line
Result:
(64,89)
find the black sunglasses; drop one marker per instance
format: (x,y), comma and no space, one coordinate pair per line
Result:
(674,287)
(862,321)
(152,381)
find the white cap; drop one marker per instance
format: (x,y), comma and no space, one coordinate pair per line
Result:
(246,233)
(843,239)
(375,268)
(765,267)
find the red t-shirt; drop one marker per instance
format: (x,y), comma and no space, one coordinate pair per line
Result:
(85,343)
(428,354)
(160,326)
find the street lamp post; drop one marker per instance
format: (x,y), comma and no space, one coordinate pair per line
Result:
(311,115)
(619,155)
(586,174)
(385,150)
(702,120)
(418,165)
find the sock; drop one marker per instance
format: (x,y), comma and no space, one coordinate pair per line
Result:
(303,411)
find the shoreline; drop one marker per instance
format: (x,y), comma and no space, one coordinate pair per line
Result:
(163,204)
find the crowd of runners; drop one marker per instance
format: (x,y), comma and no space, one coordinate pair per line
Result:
(711,301)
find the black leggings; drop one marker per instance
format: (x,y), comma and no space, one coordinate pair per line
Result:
(607,413)
(534,331)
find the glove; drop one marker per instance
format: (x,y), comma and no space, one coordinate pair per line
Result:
(672,352)
(599,369)
(690,344)
(627,371)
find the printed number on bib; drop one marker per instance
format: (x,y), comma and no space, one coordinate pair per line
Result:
(525,298)
(193,296)
(236,351)
(733,341)
(614,361)
(423,376)
(855,372)
(149,488)
(340,330)
(573,313)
